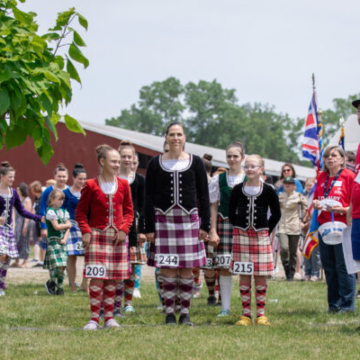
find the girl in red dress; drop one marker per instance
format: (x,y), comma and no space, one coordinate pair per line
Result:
(105,215)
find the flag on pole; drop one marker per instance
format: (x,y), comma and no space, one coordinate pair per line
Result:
(313,148)
(311,240)
(342,138)
(312,143)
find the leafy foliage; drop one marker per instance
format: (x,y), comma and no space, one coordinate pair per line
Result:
(159,104)
(34,81)
(212,116)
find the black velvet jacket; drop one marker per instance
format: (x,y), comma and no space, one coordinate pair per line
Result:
(165,189)
(251,211)
(137,194)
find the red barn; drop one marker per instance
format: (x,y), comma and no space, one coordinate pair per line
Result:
(75,148)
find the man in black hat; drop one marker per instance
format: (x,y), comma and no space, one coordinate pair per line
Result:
(355,202)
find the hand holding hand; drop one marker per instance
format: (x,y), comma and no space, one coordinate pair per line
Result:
(214,238)
(141,238)
(120,237)
(86,240)
(202,234)
(151,237)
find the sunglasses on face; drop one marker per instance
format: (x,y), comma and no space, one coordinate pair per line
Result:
(331,155)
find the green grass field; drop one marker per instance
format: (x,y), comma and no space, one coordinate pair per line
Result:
(34,325)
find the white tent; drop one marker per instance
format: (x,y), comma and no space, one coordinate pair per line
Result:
(352,134)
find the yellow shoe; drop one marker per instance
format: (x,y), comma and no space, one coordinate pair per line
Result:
(262,320)
(244,321)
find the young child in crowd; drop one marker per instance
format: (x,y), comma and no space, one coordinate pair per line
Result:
(251,246)
(58,226)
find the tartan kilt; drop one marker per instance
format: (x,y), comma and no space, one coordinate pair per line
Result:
(102,251)
(224,230)
(211,253)
(74,245)
(8,242)
(177,233)
(137,255)
(255,247)
(56,255)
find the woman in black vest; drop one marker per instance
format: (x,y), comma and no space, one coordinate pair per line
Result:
(173,222)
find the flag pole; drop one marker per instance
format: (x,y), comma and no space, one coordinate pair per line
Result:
(313,82)
(342,134)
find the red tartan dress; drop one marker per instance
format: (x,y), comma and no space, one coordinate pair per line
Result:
(103,215)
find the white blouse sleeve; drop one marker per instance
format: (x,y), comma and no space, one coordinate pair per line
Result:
(51,215)
(67,215)
(214,190)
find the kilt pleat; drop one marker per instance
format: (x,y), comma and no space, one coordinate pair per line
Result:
(176,232)
(255,247)
(224,230)
(137,255)
(211,253)
(8,242)
(102,251)
(74,244)
(56,255)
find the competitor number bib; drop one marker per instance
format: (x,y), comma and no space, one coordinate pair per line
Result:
(223,260)
(171,260)
(243,268)
(96,271)
(79,246)
(209,263)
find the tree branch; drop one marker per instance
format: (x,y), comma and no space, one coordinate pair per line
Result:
(63,35)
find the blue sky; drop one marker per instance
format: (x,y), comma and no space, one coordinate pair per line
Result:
(266,50)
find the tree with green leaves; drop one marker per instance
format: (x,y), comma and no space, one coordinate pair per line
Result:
(35,76)
(160,103)
(212,117)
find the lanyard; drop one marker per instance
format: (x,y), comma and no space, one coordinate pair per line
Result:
(327,192)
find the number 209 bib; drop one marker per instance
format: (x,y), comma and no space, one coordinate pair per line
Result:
(95,271)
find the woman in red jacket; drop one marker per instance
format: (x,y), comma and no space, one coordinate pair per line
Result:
(105,214)
(332,196)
